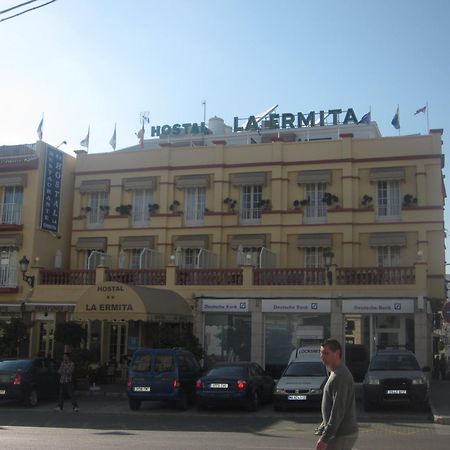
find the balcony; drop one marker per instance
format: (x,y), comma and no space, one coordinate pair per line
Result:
(359,276)
(10,213)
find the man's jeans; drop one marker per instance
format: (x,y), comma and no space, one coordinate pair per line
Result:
(67,388)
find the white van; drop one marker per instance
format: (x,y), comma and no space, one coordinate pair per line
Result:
(302,382)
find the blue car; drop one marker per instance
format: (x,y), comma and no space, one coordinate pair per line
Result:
(235,383)
(162,374)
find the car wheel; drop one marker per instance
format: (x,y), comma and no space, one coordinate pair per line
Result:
(368,406)
(134,404)
(182,403)
(31,399)
(253,402)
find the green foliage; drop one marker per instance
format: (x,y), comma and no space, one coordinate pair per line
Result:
(13,335)
(70,333)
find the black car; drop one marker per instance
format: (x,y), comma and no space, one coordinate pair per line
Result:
(28,380)
(235,383)
(394,376)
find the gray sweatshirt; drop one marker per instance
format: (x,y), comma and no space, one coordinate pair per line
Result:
(338,405)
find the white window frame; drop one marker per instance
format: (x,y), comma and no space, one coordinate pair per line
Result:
(188,257)
(316,210)
(388,200)
(195,203)
(388,256)
(313,257)
(139,212)
(12,205)
(96,215)
(250,206)
(8,267)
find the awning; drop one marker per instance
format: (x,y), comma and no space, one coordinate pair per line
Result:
(194,241)
(323,240)
(314,176)
(117,301)
(91,243)
(250,178)
(387,174)
(248,241)
(132,242)
(387,240)
(130,184)
(48,307)
(16,180)
(94,186)
(192,181)
(10,308)
(11,240)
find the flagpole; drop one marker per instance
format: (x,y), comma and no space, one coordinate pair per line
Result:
(399,126)
(428,121)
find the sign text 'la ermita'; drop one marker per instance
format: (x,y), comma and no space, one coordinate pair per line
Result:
(273,121)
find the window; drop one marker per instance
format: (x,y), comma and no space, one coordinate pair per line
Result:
(141,199)
(251,197)
(314,257)
(254,259)
(11,206)
(388,200)
(93,258)
(195,205)
(388,256)
(135,258)
(98,203)
(316,210)
(188,258)
(8,267)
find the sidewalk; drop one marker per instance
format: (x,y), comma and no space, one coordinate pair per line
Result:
(440,401)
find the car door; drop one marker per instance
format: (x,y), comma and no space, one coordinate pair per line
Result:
(187,372)
(265,381)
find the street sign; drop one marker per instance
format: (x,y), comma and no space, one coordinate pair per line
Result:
(446,312)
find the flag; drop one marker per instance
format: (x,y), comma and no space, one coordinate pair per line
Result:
(396,120)
(112,141)
(421,110)
(40,128)
(365,118)
(85,141)
(140,135)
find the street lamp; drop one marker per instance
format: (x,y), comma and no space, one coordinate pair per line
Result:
(24,263)
(328,256)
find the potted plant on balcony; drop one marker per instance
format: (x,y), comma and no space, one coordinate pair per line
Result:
(152,208)
(104,209)
(409,201)
(265,205)
(85,210)
(330,199)
(299,204)
(366,201)
(231,204)
(124,210)
(174,206)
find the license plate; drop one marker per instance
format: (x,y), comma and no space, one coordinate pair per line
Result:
(296,397)
(2,392)
(218,385)
(142,389)
(396,391)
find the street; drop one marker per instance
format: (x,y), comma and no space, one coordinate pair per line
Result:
(108,423)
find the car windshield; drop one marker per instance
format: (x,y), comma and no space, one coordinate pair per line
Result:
(142,362)
(305,369)
(227,371)
(394,362)
(19,365)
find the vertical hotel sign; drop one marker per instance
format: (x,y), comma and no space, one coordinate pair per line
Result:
(51,195)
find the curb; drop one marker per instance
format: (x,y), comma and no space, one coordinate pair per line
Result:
(441,420)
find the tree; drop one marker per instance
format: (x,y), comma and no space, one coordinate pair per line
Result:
(13,335)
(70,334)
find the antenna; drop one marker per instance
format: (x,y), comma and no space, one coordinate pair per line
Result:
(144,117)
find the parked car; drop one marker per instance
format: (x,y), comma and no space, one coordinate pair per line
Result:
(302,382)
(28,380)
(162,374)
(357,360)
(394,375)
(235,383)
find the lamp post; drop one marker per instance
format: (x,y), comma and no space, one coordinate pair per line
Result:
(328,256)
(24,263)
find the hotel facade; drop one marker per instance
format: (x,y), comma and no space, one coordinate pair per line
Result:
(261,238)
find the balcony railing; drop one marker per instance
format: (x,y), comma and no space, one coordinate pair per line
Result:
(155,277)
(11,213)
(81,276)
(300,276)
(375,275)
(208,277)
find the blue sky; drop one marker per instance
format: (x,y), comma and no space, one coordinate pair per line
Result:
(86,62)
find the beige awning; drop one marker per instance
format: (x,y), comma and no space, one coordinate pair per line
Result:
(10,308)
(387,174)
(14,180)
(387,240)
(130,184)
(314,176)
(324,240)
(248,241)
(250,178)
(94,186)
(91,243)
(11,240)
(195,241)
(117,301)
(192,181)
(131,242)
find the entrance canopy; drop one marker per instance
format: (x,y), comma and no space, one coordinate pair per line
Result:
(117,301)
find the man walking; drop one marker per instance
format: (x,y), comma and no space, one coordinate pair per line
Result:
(339,429)
(66,383)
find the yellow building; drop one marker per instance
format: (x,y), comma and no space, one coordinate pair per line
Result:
(265,239)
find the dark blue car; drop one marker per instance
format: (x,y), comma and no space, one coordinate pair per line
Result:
(235,383)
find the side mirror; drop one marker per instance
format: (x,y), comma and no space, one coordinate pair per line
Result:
(426,369)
